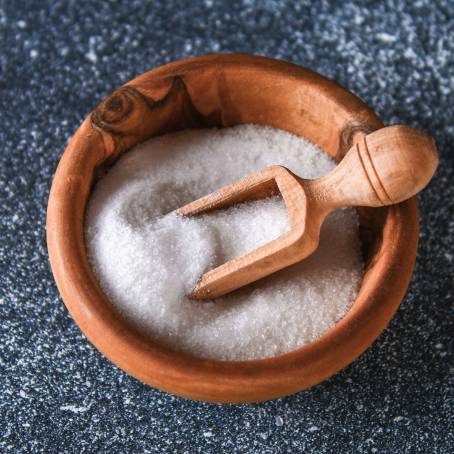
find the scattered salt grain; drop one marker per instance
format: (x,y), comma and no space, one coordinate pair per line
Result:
(75,408)
(23,394)
(147,258)
(386,37)
(279,421)
(91,55)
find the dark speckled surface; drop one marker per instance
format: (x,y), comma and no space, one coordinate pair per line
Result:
(58,59)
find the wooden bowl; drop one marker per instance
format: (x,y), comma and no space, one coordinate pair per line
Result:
(225,90)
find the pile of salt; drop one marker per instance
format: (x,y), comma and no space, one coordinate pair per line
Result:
(147,258)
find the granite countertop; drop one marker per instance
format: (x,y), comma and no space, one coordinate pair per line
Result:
(58,60)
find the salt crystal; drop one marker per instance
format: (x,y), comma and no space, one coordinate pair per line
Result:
(279,421)
(91,55)
(386,37)
(147,258)
(23,394)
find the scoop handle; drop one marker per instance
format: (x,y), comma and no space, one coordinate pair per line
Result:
(385,167)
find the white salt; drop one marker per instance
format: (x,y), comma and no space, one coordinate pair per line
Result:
(147,258)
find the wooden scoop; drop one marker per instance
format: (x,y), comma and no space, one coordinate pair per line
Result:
(386,167)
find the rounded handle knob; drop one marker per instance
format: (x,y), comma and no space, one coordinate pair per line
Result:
(385,167)
(399,161)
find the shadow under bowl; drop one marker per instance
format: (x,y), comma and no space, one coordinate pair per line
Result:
(222,91)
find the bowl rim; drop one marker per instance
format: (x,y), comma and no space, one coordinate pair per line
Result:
(219,380)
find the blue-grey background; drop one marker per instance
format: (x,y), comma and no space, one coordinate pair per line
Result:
(58,60)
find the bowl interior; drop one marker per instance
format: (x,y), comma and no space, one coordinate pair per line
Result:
(212,96)
(199,93)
